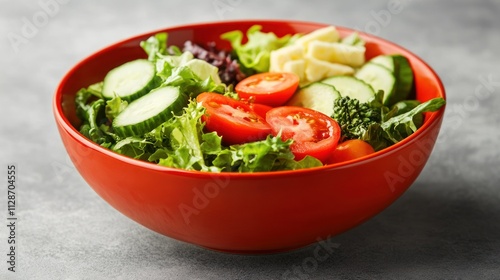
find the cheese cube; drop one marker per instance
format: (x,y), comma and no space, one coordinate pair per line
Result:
(298,67)
(317,70)
(280,56)
(325,34)
(336,52)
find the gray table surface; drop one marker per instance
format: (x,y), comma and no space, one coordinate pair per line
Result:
(445,227)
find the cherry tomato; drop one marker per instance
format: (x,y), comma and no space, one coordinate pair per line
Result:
(351,149)
(313,133)
(270,88)
(234,120)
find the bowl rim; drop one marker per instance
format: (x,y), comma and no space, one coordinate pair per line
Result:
(64,122)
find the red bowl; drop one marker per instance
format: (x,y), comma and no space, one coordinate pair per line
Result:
(245,213)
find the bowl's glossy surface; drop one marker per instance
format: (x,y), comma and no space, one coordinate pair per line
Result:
(246,213)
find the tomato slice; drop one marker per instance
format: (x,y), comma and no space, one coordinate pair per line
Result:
(258,108)
(270,88)
(313,133)
(351,149)
(234,120)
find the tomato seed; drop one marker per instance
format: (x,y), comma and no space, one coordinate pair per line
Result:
(214,104)
(276,77)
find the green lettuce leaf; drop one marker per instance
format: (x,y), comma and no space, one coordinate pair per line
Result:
(114,107)
(165,64)
(267,155)
(134,147)
(154,45)
(190,84)
(91,112)
(256,52)
(306,162)
(187,142)
(401,126)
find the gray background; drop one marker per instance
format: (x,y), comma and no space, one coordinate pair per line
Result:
(445,227)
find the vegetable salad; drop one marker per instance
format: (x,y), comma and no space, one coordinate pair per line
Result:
(299,101)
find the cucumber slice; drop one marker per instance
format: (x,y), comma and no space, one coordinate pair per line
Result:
(404,77)
(385,60)
(401,69)
(352,87)
(317,96)
(130,81)
(379,78)
(148,112)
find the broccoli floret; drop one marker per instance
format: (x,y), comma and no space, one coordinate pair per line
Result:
(354,117)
